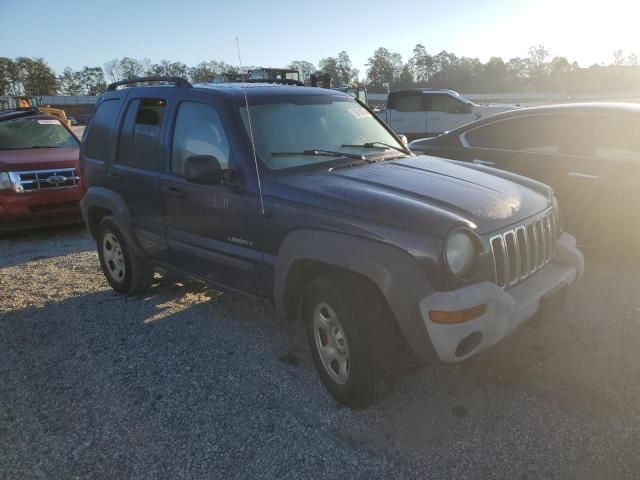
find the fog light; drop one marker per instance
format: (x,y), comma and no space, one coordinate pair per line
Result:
(458,316)
(468,344)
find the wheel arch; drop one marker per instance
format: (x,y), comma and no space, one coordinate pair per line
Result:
(393,272)
(99,202)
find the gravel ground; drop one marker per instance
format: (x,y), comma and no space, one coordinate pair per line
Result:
(186,382)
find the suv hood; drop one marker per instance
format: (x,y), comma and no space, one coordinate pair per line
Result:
(38,159)
(422,193)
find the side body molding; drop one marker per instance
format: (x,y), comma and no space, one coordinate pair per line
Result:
(397,275)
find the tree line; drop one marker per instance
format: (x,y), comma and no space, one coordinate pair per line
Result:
(539,71)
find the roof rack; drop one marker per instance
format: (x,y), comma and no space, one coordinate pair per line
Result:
(178,81)
(283,81)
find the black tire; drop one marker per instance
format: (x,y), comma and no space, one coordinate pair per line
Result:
(346,304)
(125,271)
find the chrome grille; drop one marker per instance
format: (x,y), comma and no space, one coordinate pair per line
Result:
(520,252)
(34,180)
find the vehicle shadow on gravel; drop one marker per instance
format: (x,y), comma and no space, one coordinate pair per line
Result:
(96,367)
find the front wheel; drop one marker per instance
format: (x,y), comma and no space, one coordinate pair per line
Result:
(337,333)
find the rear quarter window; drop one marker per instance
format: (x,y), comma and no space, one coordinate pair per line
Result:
(99,136)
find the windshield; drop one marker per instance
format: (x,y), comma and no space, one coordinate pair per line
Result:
(314,122)
(33,132)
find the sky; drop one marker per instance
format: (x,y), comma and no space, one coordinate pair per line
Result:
(274,32)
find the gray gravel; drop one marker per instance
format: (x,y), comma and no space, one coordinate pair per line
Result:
(185,382)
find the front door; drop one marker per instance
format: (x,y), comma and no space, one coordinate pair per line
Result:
(445,113)
(207,226)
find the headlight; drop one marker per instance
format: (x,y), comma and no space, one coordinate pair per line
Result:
(558,214)
(5,181)
(460,253)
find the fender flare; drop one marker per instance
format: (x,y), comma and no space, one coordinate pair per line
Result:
(110,200)
(394,271)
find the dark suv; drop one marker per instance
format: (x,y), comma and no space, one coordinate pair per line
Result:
(303,196)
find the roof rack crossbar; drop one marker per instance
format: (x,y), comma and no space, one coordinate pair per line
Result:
(178,81)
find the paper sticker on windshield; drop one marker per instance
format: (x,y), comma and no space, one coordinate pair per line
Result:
(359,112)
(48,122)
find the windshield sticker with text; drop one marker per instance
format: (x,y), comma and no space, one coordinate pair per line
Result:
(359,112)
(48,122)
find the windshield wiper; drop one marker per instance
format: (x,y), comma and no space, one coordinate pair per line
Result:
(375,145)
(323,153)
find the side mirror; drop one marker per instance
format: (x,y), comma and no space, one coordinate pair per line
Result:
(403,139)
(205,170)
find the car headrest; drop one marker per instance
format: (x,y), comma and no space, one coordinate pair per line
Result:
(147,117)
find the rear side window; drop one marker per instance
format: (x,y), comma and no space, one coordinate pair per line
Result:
(198,131)
(139,144)
(99,137)
(407,103)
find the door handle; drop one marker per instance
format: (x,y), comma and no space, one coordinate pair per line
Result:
(175,192)
(484,162)
(115,177)
(586,176)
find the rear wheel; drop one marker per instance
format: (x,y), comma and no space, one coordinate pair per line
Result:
(338,332)
(126,272)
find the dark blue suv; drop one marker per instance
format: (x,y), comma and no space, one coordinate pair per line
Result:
(302,196)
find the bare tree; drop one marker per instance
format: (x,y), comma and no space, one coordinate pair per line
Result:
(305,68)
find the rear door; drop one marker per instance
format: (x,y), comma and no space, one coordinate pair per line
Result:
(207,226)
(135,171)
(407,114)
(606,171)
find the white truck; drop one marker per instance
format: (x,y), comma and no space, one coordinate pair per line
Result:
(427,112)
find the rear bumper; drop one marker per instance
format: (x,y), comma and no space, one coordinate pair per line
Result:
(20,211)
(506,309)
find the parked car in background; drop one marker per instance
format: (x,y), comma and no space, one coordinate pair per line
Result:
(588,153)
(427,112)
(72,120)
(39,171)
(301,196)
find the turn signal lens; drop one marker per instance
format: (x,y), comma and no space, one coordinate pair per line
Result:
(458,316)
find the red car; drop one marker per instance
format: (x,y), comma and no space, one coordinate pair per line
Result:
(39,171)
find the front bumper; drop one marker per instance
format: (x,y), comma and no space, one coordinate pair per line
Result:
(506,309)
(39,209)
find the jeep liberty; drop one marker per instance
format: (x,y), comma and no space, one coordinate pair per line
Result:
(304,197)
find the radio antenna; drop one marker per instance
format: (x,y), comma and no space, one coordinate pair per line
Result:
(250,123)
